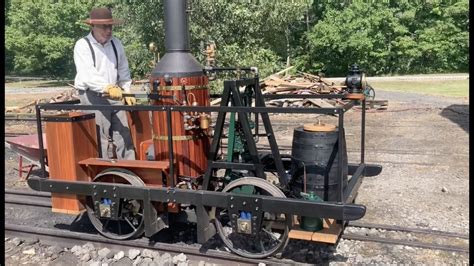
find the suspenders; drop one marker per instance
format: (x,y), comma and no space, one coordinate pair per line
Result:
(93,54)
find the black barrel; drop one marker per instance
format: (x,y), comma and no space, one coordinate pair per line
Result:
(312,150)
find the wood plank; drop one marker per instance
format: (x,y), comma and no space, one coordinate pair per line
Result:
(329,234)
(320,103)
(162,165)
(297,233)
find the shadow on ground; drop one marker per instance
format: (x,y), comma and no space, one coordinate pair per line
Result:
(458,114)
(81,224)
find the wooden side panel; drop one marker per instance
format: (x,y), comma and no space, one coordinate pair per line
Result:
(68,143)
(140,129)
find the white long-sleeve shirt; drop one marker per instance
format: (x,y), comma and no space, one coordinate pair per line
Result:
(104,72)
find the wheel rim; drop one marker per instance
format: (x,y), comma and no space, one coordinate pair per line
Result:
(370,93)
(130,223)
(273,235)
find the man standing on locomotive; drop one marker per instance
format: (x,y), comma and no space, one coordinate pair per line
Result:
(102,68)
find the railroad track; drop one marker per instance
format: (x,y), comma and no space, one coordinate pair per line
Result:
(193,253)
(41,199)
(30,198)
(70,238)
(407,242)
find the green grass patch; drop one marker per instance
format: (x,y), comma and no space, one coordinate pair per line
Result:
(451,88)
(36,84)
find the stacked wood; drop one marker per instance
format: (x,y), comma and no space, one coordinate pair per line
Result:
(64,96)
(301,83)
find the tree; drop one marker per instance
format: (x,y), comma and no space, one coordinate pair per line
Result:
(383,37)
(392,37)
(40,36)
(362,33)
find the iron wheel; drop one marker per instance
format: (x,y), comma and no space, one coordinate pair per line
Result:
(130,223)
(273,235)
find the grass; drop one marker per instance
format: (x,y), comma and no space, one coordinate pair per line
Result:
(36,84)
(48,83)
(450,88)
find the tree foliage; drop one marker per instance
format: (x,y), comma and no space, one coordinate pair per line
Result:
(40,36)
(388,38)
(384,37)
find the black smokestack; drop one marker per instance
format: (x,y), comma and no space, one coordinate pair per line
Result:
(176,25)
(177,62)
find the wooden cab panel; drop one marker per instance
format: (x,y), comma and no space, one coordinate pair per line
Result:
(140,130)
(71,137)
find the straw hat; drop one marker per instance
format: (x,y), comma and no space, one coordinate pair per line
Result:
(102,16)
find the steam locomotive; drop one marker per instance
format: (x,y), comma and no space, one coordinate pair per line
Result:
(181,173)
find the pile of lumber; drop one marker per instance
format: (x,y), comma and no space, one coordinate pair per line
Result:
(303,84)
(64,96)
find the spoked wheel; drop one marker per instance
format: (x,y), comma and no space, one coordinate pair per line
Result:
(369,93)
(273,235)
(130,222)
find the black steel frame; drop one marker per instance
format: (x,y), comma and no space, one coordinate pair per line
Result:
(343,210)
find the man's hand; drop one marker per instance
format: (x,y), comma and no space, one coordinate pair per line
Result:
(114,91)
(129,100)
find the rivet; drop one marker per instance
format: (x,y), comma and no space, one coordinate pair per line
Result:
(95,193)
(167,192)
(256,200)
(231,206)
(105,191)
(174,191)
(167,200)
(244,203)
(115,195)
(114,188)
(67,188)
(231,198)
(95,186)
(174,200)
(256,208)
(50,185)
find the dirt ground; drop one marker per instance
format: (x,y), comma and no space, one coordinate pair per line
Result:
(422,144)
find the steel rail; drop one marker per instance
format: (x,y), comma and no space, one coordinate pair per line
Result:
(28,193)
(28,202)
(404,243)
(29,198)
(408,229)
(140,243)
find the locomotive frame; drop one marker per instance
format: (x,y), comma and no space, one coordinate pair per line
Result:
(203,199)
